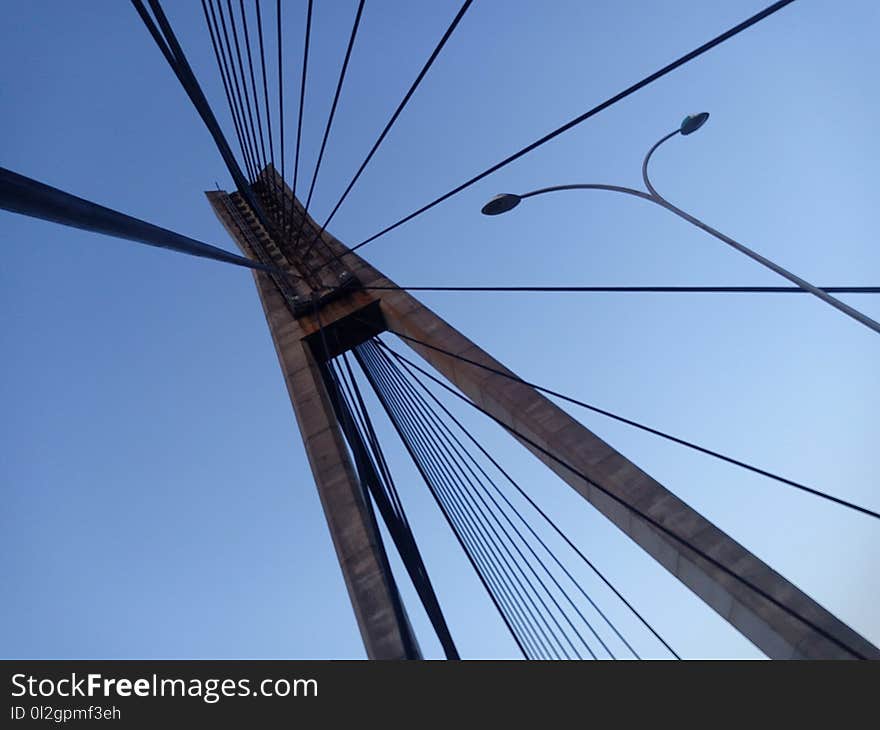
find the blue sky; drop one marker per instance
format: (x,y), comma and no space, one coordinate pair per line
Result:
(157,498)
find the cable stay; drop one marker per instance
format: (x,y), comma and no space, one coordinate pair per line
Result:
(162,33)
(379,488)
(539,602)
(269,136)
(302,96)
(633,289)
(507,583)
(718,40)
(394,117)
(233,101)
(247,41)
(332,115)
(24,195)
(413,368)
(461,428)
(648,429)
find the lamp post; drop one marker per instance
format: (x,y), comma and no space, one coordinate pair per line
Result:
(508,201)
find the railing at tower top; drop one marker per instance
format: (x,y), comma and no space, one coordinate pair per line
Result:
(304,289)
(297,231)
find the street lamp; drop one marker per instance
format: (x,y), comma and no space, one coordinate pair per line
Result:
(691,123)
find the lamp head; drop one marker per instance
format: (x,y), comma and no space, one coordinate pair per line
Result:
(692,122)
(501,204)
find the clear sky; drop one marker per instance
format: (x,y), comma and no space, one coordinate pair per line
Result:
(156,498)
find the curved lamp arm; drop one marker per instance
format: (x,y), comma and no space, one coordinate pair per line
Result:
(655,197)
(591,186)
(648,159)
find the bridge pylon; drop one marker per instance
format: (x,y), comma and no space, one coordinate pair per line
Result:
(328,306)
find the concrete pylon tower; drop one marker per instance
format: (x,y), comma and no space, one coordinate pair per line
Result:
(350,315)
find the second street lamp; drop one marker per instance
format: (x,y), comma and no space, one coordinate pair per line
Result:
(508,201)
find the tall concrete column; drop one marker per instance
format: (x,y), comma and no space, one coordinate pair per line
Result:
(352,528)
